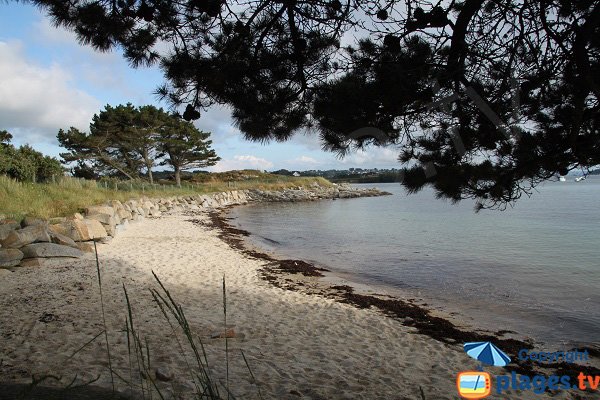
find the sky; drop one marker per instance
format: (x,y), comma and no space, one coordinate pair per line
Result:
(49,81)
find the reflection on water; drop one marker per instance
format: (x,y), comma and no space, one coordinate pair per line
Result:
(533,268)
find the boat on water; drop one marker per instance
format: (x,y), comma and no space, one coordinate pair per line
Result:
(580,178)
(562,179)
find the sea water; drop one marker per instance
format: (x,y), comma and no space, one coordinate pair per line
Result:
(533,268)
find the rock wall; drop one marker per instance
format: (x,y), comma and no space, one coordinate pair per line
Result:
(36,242)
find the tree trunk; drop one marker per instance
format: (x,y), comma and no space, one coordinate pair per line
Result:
(149,164)
(115,166)
(178,176)
(150,176)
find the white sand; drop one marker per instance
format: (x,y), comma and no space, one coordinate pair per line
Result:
(296,344)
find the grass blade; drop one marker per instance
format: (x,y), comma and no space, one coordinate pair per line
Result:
(112,379)
(226,335)
(251,374)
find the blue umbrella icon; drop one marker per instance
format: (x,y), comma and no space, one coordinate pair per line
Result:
(487,353)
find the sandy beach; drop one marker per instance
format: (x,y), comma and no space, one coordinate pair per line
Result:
(297,345)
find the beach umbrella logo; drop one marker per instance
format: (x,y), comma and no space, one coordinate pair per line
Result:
(487,353)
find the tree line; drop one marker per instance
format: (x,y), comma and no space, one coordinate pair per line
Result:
(26,164)
(128,142)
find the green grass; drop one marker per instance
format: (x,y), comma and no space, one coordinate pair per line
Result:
(70,195)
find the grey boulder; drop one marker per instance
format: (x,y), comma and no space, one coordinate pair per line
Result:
(5,229)
(25,236)
(10,257)
(58,238)
(44,250)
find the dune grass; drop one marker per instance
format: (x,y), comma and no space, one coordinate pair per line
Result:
(69,195)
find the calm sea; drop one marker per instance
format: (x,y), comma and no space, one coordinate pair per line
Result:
(533,269)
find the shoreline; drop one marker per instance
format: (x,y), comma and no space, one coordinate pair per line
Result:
(436,325)
(298,344)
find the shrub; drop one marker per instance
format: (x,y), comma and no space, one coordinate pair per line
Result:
(26,164)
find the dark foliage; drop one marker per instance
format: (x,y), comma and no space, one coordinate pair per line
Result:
(185,147)
(128,142)
(26,164)
(521,79)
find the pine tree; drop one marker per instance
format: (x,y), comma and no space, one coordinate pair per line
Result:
(481,99)
(185,147)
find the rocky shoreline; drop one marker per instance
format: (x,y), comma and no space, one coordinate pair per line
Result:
(36,242)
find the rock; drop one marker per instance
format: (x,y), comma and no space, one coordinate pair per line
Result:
(94,210)
(5,229)
(228,333)
(123,214)
(106,240)
(75,229)
(62,239)
(105,219)
(115,204)
(29,221)
(34,262)
(95,230)
(163,374)
(10,257)
(45,250)
(4,273)
(77,216)
(25,236)
(86,247)
(110,229)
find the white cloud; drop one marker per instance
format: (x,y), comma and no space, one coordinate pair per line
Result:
(45,32)
(308,139)
(103,71)
(37,100)
(305,160)
(242,162)
(374,156)
(217,121)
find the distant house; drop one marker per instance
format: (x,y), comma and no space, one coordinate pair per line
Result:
(296,174)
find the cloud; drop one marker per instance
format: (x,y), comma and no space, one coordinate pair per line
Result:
(44,32)
(217,121)
(105,72)
(242,162)
(308,139)
(36,100)
(305,160)
(374,156)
